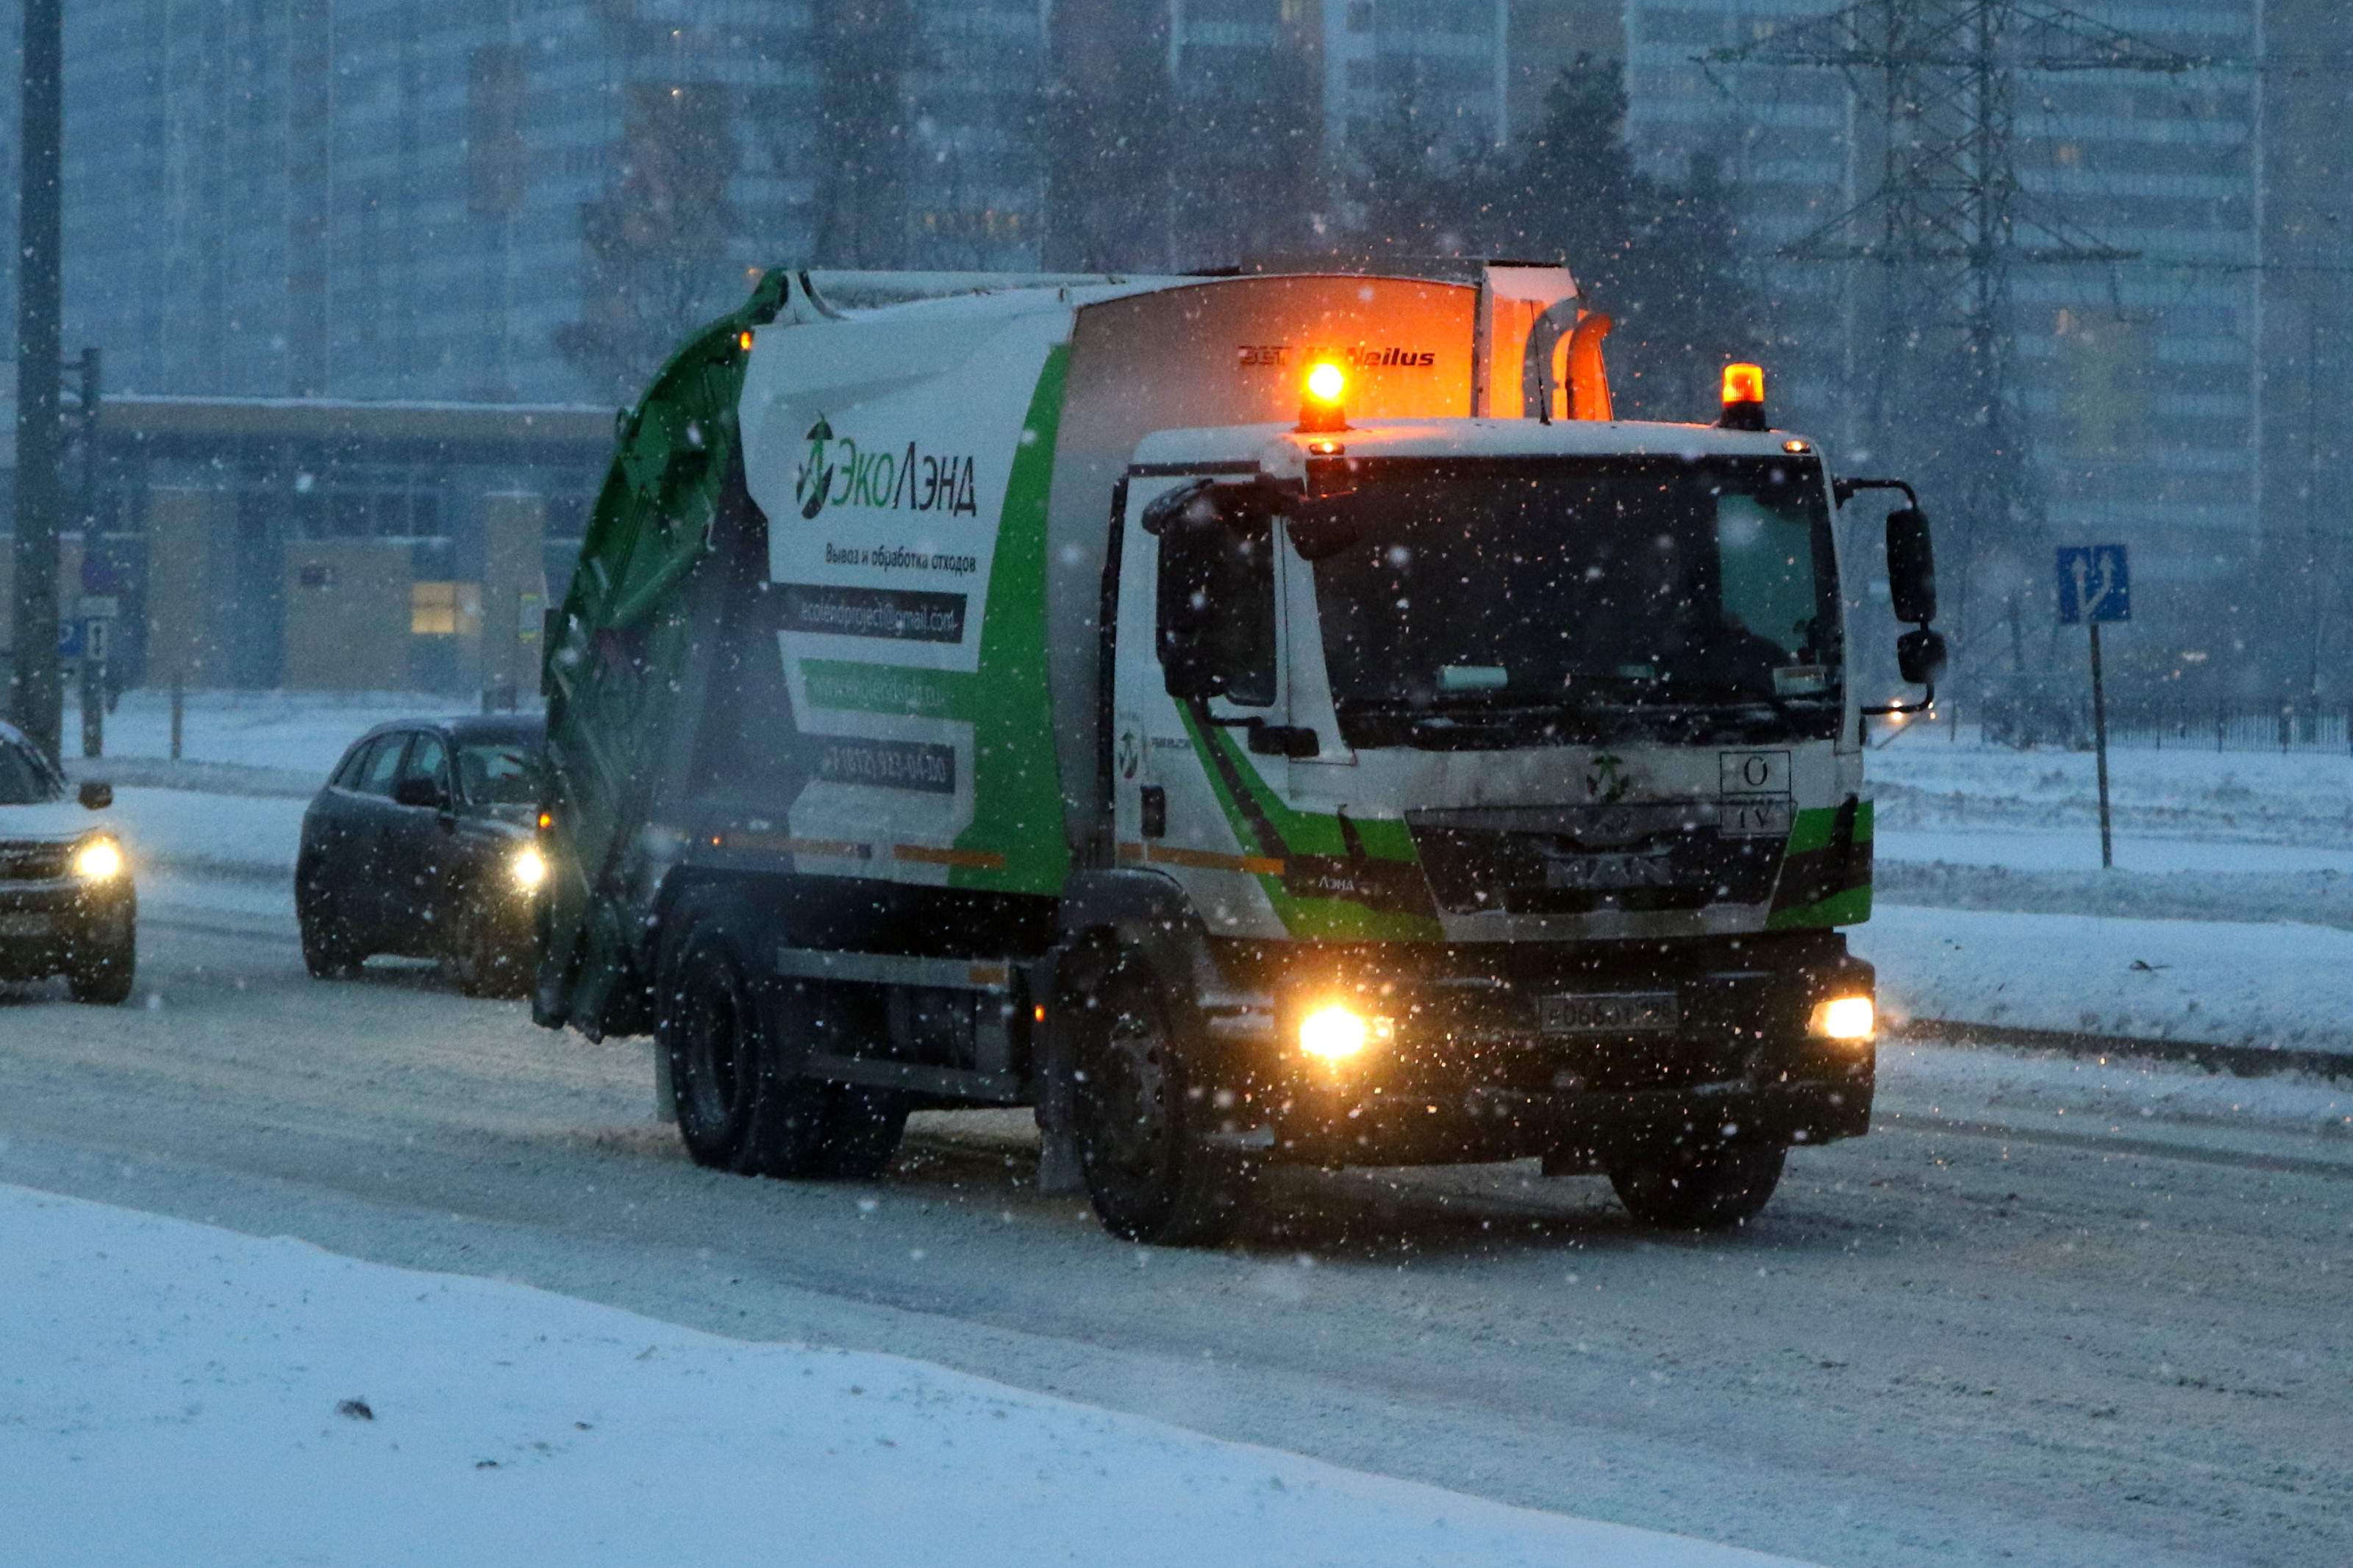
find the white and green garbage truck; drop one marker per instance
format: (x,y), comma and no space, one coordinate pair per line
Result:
(1252,719)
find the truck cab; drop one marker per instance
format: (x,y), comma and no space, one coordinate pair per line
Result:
(1512,772)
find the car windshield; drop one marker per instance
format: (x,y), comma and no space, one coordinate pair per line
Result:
(25,779)
(499,772)
(1500,603)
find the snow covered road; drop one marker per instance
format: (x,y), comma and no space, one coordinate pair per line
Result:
(2024,1321)
(182,1394)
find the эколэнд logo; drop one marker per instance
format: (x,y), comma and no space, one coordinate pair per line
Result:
(815,480)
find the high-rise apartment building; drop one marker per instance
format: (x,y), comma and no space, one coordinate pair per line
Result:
(388,198)
(2173,398)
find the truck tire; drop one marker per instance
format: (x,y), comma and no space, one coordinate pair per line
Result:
(1150,1175)
(738,1105)
(1699,1189)
(102,976)
(736,1041)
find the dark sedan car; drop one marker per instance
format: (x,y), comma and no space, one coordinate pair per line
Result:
(66,903)
(423,844)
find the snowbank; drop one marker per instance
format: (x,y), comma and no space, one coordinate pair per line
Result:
(2078,849)
(173,1393)
(250,837)
(298,732)
(2132,1096)
(2262,986)
(1924,780)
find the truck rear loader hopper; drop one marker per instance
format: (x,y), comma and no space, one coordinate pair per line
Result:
(1252,719)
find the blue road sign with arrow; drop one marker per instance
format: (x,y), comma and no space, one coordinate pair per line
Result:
(2094,583)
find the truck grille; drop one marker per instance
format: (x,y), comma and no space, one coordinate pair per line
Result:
(1576,859)
(34,862)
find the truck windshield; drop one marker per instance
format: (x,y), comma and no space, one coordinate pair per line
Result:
(1559,601)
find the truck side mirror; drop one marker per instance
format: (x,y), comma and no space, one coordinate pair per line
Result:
(1920,656)
(97,796)
(1910,566)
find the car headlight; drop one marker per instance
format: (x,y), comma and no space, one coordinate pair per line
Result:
(1850,1018)
(529,868)
(98,861)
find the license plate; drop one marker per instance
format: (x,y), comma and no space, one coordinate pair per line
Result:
(1624,1013)
(1596,873)
(1756,817)
(23,925)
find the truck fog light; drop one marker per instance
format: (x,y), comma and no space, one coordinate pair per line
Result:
(1844,1018)
(528,869)
(97,859)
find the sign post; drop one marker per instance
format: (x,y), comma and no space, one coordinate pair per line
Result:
(2094,587)
(97,624)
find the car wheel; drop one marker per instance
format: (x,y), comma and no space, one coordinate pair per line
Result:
(1151,1176)
(329,952)
(1699,1189)
(489,959)
(101,974)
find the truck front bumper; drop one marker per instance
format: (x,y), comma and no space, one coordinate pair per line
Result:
(1586,1059)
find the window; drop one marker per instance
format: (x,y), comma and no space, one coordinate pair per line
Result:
(347,772)
(445,609)
(499,772)
(383,765)
(429,759)
(1216,610)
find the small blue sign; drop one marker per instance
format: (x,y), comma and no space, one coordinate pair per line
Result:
(71,640)
(2094,583)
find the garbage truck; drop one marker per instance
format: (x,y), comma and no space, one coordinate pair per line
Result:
(1253,720)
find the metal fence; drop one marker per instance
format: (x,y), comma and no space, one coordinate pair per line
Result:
(2165,726)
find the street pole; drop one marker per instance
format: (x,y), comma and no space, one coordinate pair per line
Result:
(36,696)
(96,640)
(2100,743)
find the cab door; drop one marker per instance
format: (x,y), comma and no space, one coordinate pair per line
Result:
(1201,710)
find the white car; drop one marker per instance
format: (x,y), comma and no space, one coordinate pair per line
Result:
(66,903)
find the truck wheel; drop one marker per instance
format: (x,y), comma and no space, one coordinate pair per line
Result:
(1151,1176)
(739,1107)
(1699,1189)
(103,977)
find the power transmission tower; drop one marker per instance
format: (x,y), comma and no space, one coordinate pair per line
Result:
(1936,240)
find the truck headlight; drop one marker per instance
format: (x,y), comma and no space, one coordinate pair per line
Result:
(1844,1018)
(1335,1032)
(98,861)
(529,868)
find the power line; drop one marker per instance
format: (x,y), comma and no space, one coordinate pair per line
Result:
(1949,218)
